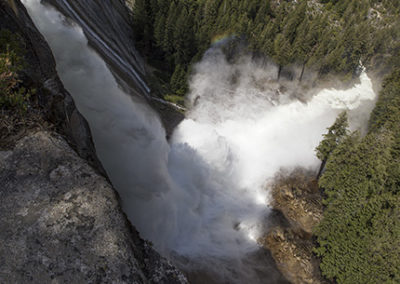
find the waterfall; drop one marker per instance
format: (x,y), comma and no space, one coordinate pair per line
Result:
(203,198)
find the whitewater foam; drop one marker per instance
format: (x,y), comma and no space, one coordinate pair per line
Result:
(204,196)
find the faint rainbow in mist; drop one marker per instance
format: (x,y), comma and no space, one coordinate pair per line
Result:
(221,38)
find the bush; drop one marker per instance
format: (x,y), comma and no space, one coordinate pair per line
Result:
(12,94)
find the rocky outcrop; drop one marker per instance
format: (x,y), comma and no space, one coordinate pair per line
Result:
(293,255)
(61,222)
(60,219)
(40,73)
(296,195)
(107,25)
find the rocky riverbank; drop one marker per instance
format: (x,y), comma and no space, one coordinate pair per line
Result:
(296,195)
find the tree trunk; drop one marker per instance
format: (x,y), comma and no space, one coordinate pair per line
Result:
(279,72)
(302,71)
(321,168)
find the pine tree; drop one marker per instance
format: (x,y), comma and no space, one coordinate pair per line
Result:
(142,24)
(282,52)
(178,80)
(303,46)
(168,40)
(184,38)
(336,133)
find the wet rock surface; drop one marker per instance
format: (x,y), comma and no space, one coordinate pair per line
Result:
(55,103)
(108,27)
(61,222)
(296,195)
(60,219)
(293,255)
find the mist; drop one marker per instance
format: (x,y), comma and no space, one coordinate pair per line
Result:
(202,198)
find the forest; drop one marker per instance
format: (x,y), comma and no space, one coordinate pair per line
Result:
(358,240)
(359,237)
(327,37)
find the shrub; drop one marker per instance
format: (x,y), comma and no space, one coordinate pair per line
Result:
(12,94)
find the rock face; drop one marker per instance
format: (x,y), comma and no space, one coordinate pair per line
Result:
(107,25)
(296,195)
(40,73)
(293,255)
(60,221)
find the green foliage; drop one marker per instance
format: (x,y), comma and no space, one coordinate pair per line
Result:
(336,133)
(12,42)
(386,112)
(332,38)
(175,99)
(178,81)
(359,236)
(12,94)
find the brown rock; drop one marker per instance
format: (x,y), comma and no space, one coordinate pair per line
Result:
(297,196)
(293,256)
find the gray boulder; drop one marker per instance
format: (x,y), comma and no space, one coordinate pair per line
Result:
(61,222)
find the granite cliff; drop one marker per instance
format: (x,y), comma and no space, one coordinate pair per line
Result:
(61,219)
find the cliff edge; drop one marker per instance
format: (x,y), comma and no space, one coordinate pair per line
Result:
(60,218)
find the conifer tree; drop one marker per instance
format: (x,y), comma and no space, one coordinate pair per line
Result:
(142,23)
(282,51)
(336,133)
(178,80)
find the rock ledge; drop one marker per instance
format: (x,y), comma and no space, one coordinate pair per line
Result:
(61,222)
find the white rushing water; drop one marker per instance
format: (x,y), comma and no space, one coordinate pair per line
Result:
(204,196)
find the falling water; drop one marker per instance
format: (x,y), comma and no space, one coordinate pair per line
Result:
(203,197)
